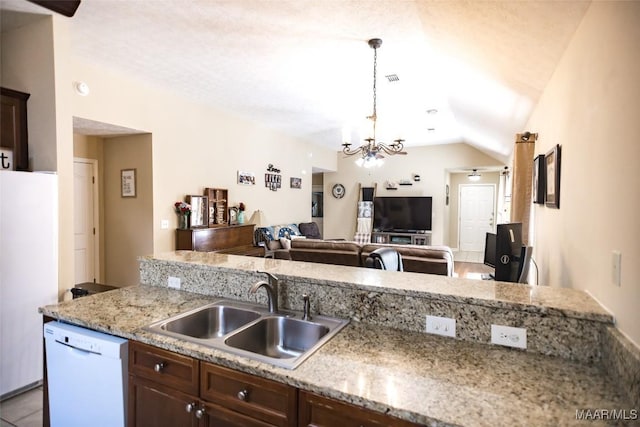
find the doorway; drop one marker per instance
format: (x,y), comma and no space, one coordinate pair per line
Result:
(85,227)
(476,215)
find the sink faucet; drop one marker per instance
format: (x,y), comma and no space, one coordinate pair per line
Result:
(272,290)
(306,313)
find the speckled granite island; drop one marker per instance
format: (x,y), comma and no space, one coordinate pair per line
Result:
(382,360)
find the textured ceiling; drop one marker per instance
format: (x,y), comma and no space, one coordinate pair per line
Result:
(304,67)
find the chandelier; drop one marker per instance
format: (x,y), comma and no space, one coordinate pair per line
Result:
(372,152)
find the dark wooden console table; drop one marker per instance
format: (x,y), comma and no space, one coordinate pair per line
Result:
(231,239)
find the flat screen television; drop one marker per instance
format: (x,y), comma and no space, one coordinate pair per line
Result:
(402,214)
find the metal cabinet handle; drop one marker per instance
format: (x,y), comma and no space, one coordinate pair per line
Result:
(190,407)
(243,395)
(200,413)
(159,367)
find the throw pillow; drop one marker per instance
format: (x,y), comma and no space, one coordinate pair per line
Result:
(274,245)
(285,243)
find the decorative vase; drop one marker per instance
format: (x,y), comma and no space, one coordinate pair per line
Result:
(241,217)
(183,222)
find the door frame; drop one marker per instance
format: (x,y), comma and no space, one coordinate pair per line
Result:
(96,213)
(493,227)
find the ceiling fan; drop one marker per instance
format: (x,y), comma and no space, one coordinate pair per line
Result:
(64,7)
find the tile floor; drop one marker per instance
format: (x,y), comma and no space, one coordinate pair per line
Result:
(468,256)
(23,410)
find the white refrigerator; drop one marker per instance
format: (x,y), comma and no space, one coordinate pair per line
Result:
(28,273)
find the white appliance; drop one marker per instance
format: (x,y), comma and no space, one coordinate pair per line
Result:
(86,377)
(28,273)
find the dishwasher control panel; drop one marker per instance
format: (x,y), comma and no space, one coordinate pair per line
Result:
(84,339)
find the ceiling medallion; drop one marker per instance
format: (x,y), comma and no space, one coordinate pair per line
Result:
(372,152)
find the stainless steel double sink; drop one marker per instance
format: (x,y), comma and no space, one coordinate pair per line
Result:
(283,339)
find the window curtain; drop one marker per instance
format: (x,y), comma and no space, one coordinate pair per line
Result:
(521,183)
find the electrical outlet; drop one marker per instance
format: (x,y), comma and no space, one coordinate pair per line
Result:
(616,265)
(509,336)
(441,326)
(164,224)
(174,282)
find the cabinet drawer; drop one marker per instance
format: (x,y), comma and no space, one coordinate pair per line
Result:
(318,411)
(164,367)
(262,399)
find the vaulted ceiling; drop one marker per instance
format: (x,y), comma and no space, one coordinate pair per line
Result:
(304,66)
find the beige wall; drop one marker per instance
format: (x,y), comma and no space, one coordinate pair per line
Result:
(454,203)
(128,221)
(28,66)
(195,146)
(591,107)
(430,162)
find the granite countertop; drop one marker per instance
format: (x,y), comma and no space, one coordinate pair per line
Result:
(539,299)
(417,377)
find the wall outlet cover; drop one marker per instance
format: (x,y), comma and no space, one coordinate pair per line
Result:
(445,326)
(509,336)
(173,282)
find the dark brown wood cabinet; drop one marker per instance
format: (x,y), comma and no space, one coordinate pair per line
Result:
(169,389)
(319,411)
(13,126)
(234,239)
(162,385)
(155,405)
(264,401)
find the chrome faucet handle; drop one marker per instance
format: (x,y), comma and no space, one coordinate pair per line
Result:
(306,311)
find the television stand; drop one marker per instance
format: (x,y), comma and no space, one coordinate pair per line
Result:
(401,238)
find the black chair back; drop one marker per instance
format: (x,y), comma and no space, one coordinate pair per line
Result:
(384,259)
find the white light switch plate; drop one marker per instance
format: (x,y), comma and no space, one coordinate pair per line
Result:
(509,336)
(164,224)
(445,326)
(616,265)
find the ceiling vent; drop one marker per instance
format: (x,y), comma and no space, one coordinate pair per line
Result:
(393,78)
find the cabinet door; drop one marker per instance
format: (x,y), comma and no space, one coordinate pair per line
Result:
(13,126)
(318,411)
(217,416)
(155,405)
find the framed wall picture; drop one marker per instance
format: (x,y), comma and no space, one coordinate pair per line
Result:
(296,182)
(199,211)
(246,178)
(552,179)
(128,183)
(539,174)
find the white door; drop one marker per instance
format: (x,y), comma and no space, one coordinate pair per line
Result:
(477,215)
(84,215)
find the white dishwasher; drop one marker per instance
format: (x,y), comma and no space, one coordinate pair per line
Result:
(86,376)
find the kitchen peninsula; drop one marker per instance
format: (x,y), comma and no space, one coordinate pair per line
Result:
(382,361)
